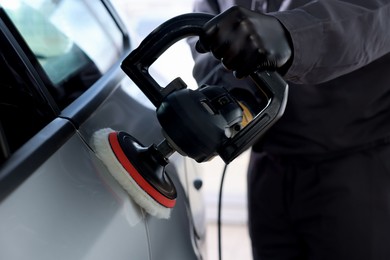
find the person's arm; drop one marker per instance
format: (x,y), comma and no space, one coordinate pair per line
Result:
(329,39)
(332,38)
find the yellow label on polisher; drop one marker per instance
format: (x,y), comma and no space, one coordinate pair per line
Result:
(246,115)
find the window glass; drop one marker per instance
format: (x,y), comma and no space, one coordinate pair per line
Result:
(75,41)
(23,108)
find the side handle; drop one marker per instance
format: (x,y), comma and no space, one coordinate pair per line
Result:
(136,64)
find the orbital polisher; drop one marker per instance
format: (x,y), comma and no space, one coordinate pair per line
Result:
(199,123)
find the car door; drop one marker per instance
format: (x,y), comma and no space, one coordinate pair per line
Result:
(61,83)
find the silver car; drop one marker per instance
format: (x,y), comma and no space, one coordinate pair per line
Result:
(60,82)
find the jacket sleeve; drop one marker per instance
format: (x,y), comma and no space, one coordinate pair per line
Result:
(332,38)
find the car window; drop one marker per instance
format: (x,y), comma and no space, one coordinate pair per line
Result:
(50,53)
(75,41)
(24,109)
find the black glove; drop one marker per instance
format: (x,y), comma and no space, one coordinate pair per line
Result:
(246,41)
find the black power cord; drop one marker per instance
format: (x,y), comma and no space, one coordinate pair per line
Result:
(219,213)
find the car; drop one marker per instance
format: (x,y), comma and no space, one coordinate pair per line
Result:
(61,82)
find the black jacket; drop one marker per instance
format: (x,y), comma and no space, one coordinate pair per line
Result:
(339,81)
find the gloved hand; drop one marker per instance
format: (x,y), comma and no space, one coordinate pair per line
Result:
(245,41)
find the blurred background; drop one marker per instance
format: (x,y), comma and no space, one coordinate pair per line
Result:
(143,16)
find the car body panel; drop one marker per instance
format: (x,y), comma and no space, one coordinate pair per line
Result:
(58,200)
(68,209)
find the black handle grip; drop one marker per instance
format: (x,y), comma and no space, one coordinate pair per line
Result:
(276,90)
(137,63)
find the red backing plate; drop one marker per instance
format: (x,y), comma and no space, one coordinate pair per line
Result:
(137,177)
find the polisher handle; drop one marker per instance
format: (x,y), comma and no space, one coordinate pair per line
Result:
(136,66)
(276,91)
